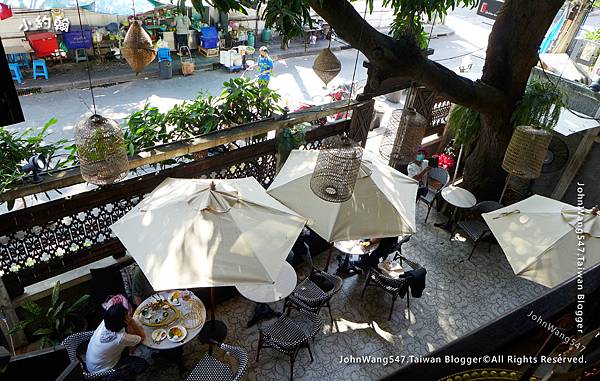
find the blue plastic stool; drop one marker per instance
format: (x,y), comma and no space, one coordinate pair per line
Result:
(24,62)
(40,64)
(164,54)
(16,72)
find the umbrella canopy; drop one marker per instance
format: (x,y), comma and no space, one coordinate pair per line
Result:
(382,205)
(539,237)
(187,235)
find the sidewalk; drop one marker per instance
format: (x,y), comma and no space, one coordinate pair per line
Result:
(70,75)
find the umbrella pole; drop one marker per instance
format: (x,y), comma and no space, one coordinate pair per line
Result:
(212,303)
(328,256)
(457,164)
(504,189)
(213,330)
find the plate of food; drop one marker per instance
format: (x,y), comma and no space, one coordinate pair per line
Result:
(175,298)
(159,335)
(186,296)
(176,333)
(157,314)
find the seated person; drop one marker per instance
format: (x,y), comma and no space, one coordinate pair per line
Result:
(106,349)
(140,287)
(381,252)
(418,170)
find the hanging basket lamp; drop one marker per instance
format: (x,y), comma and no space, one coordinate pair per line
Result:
(403,136)
(101,150)
(336,169)
(327,66)
(137,48)
(526,152)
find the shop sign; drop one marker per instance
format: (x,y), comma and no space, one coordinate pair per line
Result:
(489,8)
(58,21)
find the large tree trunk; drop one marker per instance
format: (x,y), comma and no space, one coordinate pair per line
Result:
(512,52)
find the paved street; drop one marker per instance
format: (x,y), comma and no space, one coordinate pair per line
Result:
(293,78)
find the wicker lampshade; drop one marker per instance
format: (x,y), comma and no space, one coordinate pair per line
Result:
(327,66)
(526,152)
(403,136)
(336,169)
(101,150)
(137,48)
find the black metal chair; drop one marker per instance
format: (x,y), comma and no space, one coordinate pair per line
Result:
(211,369)
(315,292)
(393,286)
(397,250)
(443,177)
(76,345)
(289,334)
(476,229)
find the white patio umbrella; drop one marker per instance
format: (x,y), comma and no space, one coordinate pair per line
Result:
(192,233)
(541,240)
(382,205)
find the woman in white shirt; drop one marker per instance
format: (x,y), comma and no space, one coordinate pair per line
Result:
(418,170)
(106,349)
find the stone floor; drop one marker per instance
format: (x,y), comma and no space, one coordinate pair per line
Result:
(459,297)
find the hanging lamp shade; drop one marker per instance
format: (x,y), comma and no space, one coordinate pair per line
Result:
(336,170)
(403,136)
(101,150)
(526,152)
(327,66)
(137,48)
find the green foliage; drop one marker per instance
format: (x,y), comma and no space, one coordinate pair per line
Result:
(145,129)
(244,101)
(53,324)
(401,28)
(540,106)
(465,123)
(593,35)
(16,149)
(289,139)
(287,17)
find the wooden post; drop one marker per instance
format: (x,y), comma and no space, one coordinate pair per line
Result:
(574,164)
(361,122)
(572,24)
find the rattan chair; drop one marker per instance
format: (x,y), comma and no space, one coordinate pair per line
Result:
(315,292)
(76,345)
(393,286)
(289,334)
(438,174)
(476,229)
(211,369)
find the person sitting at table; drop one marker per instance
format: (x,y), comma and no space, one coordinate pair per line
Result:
(106,349)
(385,247)
(418,170)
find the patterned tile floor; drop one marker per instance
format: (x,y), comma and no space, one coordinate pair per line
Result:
(458,298)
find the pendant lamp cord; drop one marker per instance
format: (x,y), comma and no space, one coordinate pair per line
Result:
(89,69)
(362,27)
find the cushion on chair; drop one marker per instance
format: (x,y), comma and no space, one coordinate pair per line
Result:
(210,369)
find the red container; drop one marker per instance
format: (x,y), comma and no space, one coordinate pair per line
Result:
(44,43)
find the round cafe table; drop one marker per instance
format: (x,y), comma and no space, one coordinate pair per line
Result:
(269,293)
(458,198)
(352,247)
(183,308)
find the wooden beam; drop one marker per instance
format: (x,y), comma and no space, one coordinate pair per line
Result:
(72,176)
(574,164)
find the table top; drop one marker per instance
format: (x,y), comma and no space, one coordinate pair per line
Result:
(268,293)
(353,247)
(459,197)
(183,308)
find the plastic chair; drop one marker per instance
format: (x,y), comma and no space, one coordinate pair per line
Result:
(40,69)
(164,54)
(16,72)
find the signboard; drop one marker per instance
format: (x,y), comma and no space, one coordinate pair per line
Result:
(489,8)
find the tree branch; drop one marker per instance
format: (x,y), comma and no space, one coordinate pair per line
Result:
(403,58)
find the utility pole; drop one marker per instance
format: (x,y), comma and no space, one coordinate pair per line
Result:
(577,13)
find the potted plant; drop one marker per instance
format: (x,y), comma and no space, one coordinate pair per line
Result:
(56,322)
(288,139)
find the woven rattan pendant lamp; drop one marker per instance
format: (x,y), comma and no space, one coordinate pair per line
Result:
(327,66)
(137,48)
(403,136)
(336,169)
(526,152)
(101,150)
